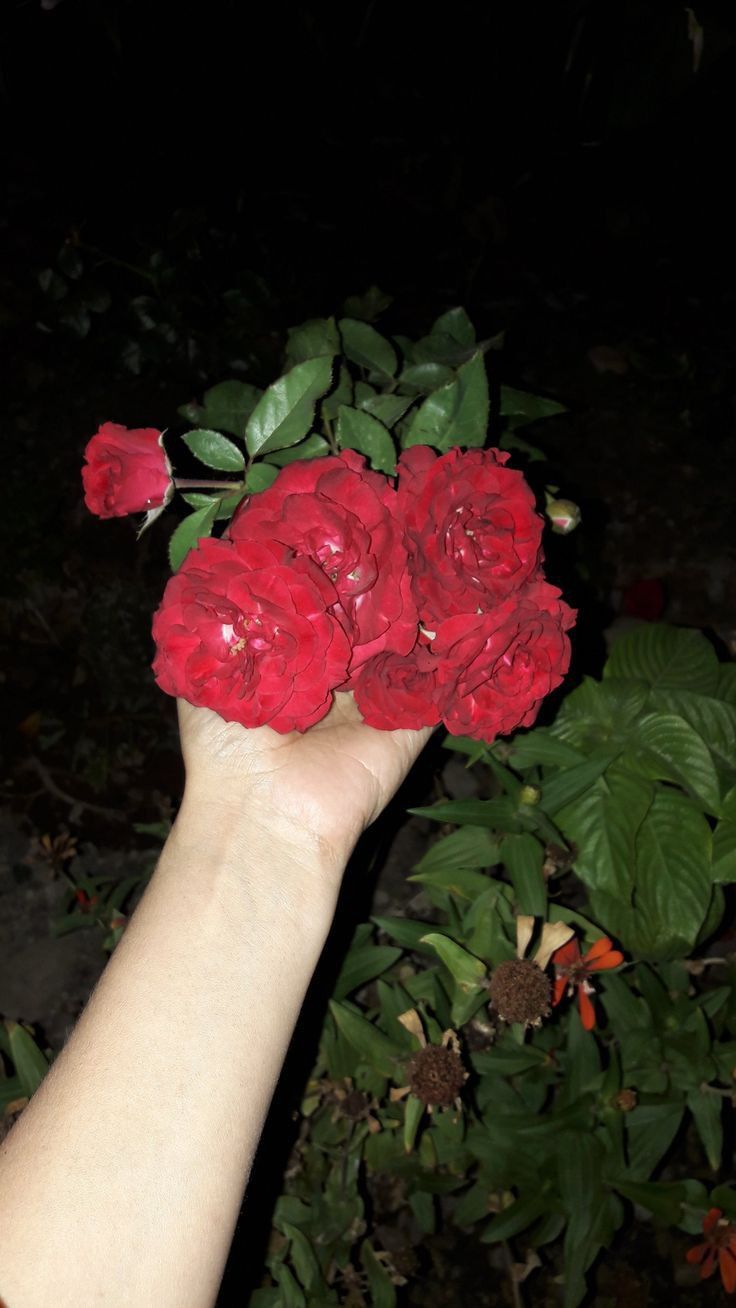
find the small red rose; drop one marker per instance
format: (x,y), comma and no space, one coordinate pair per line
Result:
(344,517)
(246,628)
(395,690)
(473,532)
(126,471)
(495,668)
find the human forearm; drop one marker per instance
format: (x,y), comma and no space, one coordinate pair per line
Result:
(157,1102)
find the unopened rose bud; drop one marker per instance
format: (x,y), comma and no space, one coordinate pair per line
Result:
(530,795)
(564,516)
(625,1100)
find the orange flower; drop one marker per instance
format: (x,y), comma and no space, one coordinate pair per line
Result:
(572,973)
(720,1244)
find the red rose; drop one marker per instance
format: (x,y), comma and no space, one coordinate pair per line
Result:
(496,668)
(126,471)
(473,533)
(394,690)
(343,516)
(245,628)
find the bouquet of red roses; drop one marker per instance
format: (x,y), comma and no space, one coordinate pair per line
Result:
(424,596)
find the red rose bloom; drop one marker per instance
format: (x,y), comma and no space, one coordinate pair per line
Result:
(245,628)
(343,516)
(125,471)
(394,690)
(496,668)
(474,535)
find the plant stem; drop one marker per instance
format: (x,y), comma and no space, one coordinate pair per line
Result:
(194,483)
(515,1287)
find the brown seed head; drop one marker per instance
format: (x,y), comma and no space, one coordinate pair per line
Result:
(436,1075)
(626,1100)
(520,991)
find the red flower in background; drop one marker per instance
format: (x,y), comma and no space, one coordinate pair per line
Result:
(573,971)
(719,1246)
(126,471)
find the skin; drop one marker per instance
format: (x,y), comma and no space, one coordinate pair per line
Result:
(122,1181)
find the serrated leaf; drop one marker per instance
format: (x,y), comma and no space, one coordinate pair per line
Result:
(369,306)
(260,477)
(358,430)
(521,407)
(713,719)
(364,964)
(602,824)
(665,748)
(523,856)
(673,881)
(214,450)
(363,345)
(342,393)
(190,530)
(427,377)
(30,1064)
(456,414)
(667,658)
(366,1039)
(226,407)
(285,412)
(314,447)
(598,714)
(456,324)
(312,339)
(387,408)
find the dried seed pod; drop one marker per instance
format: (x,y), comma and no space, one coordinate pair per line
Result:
(436,1075)
(520,992)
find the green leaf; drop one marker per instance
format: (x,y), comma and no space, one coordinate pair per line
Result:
(650,1130)
(226,503)
(367,1041)
(664,1199)
(427,377)
(343,392)
(494,813)
(10,1090)
(369,306)
(407,932)
(602,824)
(470,847)
(303,1257)
(509,440)
(665,748)
(707,1111)
(673,878)
(713,720)
(462,882)
(358,430)
(456,414)
(260,477)
(30,1064)
(521,407)
(506,1058)
(290,1292)
(724,842)
(364,964)
(456,324)
(214,450)
(598,714)
(567,785)
(668,658)
(726,684)
(540,746)
(190,530)
(312,340)
(380,1286)
(513,1220)
(285,412)
(387,408)
(413,1113)
(314,447)
(467,971)
(363,345)
(226,407)
(523,856)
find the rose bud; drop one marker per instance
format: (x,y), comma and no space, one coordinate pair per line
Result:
(564,516)
(126,471)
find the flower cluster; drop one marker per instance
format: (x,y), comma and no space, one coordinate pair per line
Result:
(426,598)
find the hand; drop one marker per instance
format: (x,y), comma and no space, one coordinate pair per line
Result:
(318,790)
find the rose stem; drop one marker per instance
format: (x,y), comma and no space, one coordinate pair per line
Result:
(194,483)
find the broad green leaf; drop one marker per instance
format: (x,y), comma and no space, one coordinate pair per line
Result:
(456,414)
(467,971)
(363,345)
(387,408)
(190,530)
(583,1060)
(662,1198)
(427,377)
(650,1130)
(665,748)
(726,684)
(569,783)
(470,847)
(291,1294)
(314,447)
(724,842)
(366,1039)
(214,450)
(30,1064)
(673,877)
(226,407)
(226,503)
(303,1257)
(714,721)
(602,824)
(598,714)
(358,430)
(364,964)
(369,306)
(312,340)
(624,1010)
(540,746)
(707,1110)
(456,324)
(462,882)
(668,658)
(516,1218)
(521,407)
(380,1285)
(342,393)
(407,932)
(285,412)
(523,856)
(508,1059)
(260,477)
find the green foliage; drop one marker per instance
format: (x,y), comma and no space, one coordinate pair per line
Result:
(559,1131)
